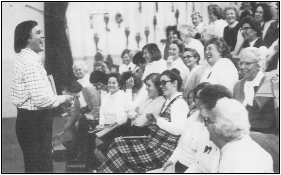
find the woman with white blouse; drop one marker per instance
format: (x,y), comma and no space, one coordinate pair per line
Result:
(112,113)
(220,70)
(154,60)
(216,18)
(191,59)
(174,59)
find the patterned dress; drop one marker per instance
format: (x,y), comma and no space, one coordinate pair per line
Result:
(139,155)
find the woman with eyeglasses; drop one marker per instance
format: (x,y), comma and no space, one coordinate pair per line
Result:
(220,70)
(142,155)
(175,61)
(184,154)
(191,60)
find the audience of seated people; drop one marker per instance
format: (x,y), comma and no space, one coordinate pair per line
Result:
(168,95)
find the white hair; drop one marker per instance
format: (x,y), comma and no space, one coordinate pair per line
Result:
(187,29)
(258,54)
(80,63)
(232,121)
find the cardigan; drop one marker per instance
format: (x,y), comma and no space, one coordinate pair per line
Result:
(261,119)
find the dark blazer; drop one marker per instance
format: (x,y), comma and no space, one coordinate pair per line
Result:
(257,44)
(261,120)
(272,34)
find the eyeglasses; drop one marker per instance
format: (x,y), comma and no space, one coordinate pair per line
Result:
(247,64)
(207,121)
(163,82)
(187,56)
(245,29)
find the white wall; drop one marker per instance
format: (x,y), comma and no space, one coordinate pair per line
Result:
(12,14)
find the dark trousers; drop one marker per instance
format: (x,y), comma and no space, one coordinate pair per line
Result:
(34,134)
(180,168)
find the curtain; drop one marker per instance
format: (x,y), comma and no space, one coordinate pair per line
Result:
(58,57)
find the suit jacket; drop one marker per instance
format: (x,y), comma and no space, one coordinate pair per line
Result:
(257,44)
(272,34)
(261,119)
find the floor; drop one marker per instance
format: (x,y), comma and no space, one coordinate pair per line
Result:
(12,159)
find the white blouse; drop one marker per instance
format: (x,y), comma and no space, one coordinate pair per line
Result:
(124,68)
(112,108)
(179,111)
(223,72)
(155,67)
(178,64)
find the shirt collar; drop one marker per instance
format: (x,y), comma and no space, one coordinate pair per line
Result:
(256,81)
(36,56)
(253,42)
(174,96)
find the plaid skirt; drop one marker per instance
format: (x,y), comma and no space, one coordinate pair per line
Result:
(139,155)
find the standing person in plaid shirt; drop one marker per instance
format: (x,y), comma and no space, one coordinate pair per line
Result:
(33,96)
(137,155)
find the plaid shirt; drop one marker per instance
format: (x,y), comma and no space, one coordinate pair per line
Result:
(31,88)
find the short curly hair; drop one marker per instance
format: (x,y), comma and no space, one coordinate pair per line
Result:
(187,30)
(231,7)
(267,15)
(216,10)
(221,45)
(253,24)
(126,51)
(174,29)
(231,119)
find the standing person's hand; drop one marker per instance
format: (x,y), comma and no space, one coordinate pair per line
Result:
(62,99)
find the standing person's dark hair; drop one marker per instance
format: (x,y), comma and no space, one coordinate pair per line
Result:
(33,96)
(22,34)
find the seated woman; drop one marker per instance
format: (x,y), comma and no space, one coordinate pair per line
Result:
(187,35)
(184,154)
(137,155)
(127,62)
(154,60)
(139,60)
(175,61)
(134,89)
(197,21)
(216,18)
(112,113)
(171,34)
(191,59)
(152,104)
(221,70)
(230,32)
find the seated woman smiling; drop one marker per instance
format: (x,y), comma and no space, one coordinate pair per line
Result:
(138,155)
